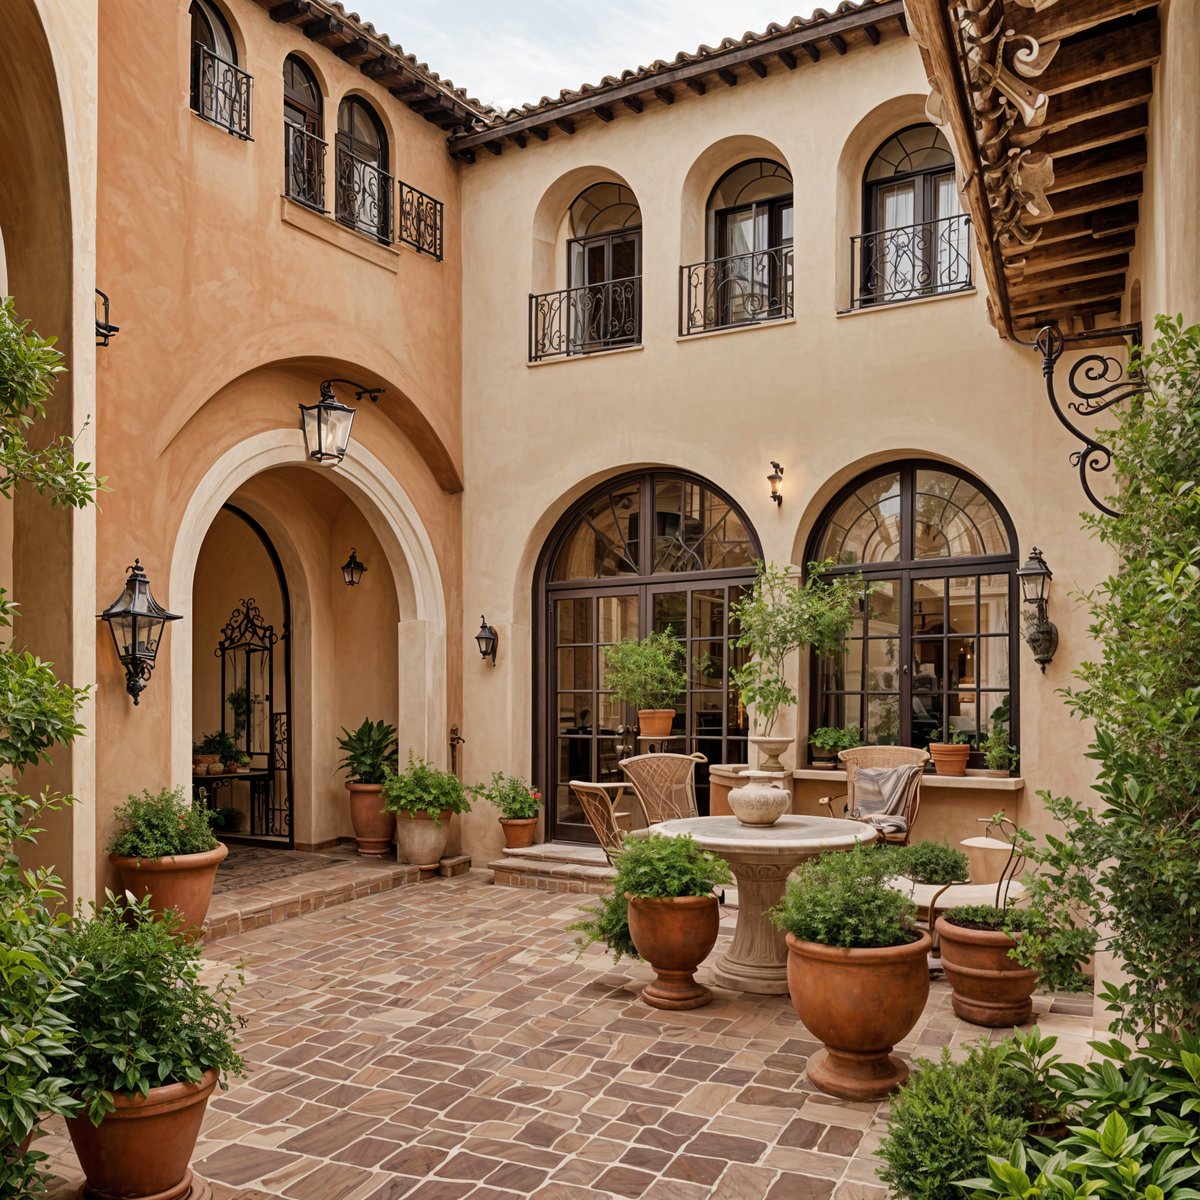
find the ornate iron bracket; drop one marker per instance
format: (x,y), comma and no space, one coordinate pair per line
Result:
(1098,382)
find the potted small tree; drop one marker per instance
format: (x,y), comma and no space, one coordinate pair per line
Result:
(519,805)
(851,939)
(370,752)
(423,798)
(662,909)
(828,741)
(148,1044)
(950,757)
(164,849)
(649,676)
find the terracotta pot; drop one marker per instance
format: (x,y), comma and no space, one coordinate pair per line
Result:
(949,758)
(860,1003)
(142,1148)
(518,831)
(989,987)
(823,760)
(655,722)
(421,839)
(674,935)
(373,827)
(183,882)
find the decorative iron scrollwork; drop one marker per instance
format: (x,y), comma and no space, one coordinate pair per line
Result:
(221,91)
(582,320)
(364,195)
(420,224)
(929,258)
(739,289)
(304,167)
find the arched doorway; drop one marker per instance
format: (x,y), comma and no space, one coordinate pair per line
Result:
(646,551)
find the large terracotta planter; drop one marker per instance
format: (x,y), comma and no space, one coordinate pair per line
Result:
(373,827)
(860,1003)
(421,839)
(949,758)
(655,722)
(990,988)
(183,882)
(674,935)
(518,831)
(141,1150)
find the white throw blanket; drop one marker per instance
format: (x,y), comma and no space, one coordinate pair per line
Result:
(880,794)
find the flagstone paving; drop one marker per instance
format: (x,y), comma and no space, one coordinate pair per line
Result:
(444,1042)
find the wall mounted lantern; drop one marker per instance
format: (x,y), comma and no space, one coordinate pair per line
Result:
(1040,633)
(136,621)
(327,423)
(105,330)
(352,569)
(487,640)
(775,479)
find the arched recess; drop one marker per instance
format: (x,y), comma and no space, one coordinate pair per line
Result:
(600,579)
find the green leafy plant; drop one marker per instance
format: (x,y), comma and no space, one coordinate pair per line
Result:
(161,824)
(779,615)
(515,799)
(654,867)
(647,673)
(926,862)
(371,751)
(239,702)
(423,789)
(998,752)
(219,743)
(141,1017)
(954,737)
(833,739)
(842,900)
(228,818)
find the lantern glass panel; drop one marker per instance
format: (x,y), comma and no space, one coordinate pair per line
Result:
(337,423)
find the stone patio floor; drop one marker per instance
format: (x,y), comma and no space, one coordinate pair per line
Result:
(444,1042)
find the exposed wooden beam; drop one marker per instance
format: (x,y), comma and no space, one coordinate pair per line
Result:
(1098,99)
(520,139)
(633,103)
(1038,257)
(811,50)
(1092,60)
(697,85)
(565,124)
(838,42)
(902,21)
(1107,221)
(872,33)
(407,91)
(1060,21)
(1098,195)
(665,95)
(1111,286)
(1087,224)
(540,132)
(730,77)
(1094,166)
(496,148)
(291,11)
(758,67)
(323,27)
(465,155)
(1076,312)
(385,64)
(354,48)
(788,59)
(422,104)
(1100,131)
(1096,268)
(604,112)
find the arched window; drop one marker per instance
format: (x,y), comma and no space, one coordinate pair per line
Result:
(220,90)
(364,187)
(748,274)
(934,644)
(604,576)
(915,236)
(303,144)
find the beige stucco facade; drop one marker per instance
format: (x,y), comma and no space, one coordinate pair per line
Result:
(234,303)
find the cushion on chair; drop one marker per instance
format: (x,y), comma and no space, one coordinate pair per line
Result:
(880,794)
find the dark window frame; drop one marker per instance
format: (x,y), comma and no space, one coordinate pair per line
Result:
(304,137)
(360,153)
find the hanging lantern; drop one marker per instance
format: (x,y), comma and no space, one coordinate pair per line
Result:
(136,621)
(327,423)
(352,569)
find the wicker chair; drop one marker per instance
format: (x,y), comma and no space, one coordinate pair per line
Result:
(883,756)
(600,803)
(665,784)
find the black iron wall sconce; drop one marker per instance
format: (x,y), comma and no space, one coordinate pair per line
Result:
(775,479)
(136,621)
(327,423)
(487,640)
(352,569)
(1041,633)
(105,330)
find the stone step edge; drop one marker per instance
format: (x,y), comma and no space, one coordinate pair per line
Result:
(551,876)
(551,853)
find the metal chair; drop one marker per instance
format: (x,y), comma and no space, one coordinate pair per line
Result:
(599,802)
(665,784)
(883,756)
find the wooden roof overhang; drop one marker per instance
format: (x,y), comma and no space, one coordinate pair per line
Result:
(780,50)
(1047,102)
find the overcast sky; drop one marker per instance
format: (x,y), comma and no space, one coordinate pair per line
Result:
(506,54)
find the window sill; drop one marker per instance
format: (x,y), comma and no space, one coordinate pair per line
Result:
(571,358)
(770,323)
(300,216)
(970,783)
(893,305)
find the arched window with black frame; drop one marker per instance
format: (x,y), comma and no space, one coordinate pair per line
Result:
(934,647)
(303,130)
(220,89)
(364,187)
(915,240)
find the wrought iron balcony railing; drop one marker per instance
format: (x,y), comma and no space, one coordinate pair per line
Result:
(740,289)
(304,166)
(364,196)
(221,91)
(420,221)
(582,320)
(927,259)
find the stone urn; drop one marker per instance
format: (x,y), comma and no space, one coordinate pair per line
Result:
(674,935)
(421,838)
(769,751)
(762,799)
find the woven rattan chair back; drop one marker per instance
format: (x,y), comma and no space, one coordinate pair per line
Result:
(887,756)
(665,784)
(599,806)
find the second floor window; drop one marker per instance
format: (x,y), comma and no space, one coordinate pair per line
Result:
(604,266)
(220,89)
(364,187)
(304,147)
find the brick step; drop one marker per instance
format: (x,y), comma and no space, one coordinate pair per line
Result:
(552,874)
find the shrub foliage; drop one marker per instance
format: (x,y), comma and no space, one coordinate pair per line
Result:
(161,824)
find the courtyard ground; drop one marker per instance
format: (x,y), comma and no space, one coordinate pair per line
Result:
(444,1042)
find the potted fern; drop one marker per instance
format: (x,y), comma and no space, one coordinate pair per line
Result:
(370,751)
(422,798)
(519,805)
(647,675)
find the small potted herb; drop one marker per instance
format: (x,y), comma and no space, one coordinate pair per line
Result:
(998,752)
(662,909)
(215,750)
(647,675)
(950,757)
(369,753)
(829,741)
(519,805)
(423,798)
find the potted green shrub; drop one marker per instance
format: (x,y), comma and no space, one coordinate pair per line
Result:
(950,757)
(998,752)
(851,940)
(215,750)
(776,617)
(229,819)
(649,676)
(163,847)
(148,1044)
(926,862)
(829,741)
(661,909)
(369,753)
(423,798)
(519,806)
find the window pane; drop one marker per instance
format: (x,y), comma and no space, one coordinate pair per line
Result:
(575,668)
(883,607)
(695,530)
(573,619)
(962,603)
(617,618)
(841,710)
(953,519)
(928,664)
(993,662)
(883,671)
(928,606)
(866,526)
(883,721)
(708,613)
(927,711)
(670,610)
(604,540)
(993,603)
(705,664)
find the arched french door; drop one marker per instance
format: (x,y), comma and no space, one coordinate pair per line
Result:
(654,550)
